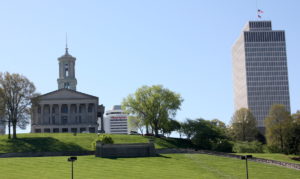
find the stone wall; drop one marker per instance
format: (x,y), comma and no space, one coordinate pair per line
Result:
(125,150)
(222,154)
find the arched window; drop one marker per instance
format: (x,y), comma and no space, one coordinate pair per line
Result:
(66,70)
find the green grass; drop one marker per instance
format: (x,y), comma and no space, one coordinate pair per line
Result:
(46,142)
(166,166)
(273,156)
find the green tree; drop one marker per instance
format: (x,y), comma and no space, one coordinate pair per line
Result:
(293,134)
(154,104)
(170,126)
(206,134)
(16,95)
(188,128)
(277,125)
(243,125)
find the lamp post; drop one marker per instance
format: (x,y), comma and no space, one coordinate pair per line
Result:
(245,157)
(72,159)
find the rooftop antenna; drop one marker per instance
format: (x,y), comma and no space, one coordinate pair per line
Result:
(67,43)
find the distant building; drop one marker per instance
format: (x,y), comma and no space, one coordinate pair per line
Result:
(116,121)
(260,71)
(66,110)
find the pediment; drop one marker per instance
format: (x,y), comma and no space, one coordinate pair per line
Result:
(66,94)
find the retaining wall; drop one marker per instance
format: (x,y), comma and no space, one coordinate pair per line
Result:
(125,150)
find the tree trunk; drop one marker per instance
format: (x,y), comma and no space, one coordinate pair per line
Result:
(14,130)
(156,131)
(9,136)
(147,129)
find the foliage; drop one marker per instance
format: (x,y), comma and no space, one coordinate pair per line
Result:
(170,126)
(248,147)
(104,139)
(154,105)
(206,134)
(278,124)
(222,145)
(16,95)
(166,166)
(293,135)
(188,128)
(243,125)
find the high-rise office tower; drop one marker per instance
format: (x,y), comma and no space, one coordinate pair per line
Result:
(260,72)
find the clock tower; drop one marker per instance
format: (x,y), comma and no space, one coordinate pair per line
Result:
(67,71)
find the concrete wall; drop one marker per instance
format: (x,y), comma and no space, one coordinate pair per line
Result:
(125,150)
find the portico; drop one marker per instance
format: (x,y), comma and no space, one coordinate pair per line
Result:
(72,112)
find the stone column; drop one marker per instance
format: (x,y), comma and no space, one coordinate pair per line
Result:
(69,114)
(42,114)
(51,105)
(59,114)
(86,113)
(77,114)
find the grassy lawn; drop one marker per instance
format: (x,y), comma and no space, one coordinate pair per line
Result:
(81,142)
(273,156)
(166,166)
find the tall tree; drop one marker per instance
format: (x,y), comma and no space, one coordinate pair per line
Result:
(293,134)
(16,94)
(277,124)
(154,104)
(243,125)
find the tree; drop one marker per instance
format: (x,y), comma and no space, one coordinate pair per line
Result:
(293,134)
(154,104)
(170,126)
(188,128)
(206,134)
(16,95)
(277,125)
(136,123)
(243,125)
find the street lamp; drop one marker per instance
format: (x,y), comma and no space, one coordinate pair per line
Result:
(245,157)
(72,159)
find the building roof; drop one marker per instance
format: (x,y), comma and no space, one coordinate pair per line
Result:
(67,93)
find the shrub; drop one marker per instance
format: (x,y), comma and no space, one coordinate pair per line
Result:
(105,139)
(248,147)
(223,145)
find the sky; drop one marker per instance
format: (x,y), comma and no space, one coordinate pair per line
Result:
(184,45)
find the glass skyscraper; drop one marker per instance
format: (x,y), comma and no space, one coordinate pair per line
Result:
(260,72)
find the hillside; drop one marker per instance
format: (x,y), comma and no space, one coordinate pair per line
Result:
(55,142)
(166,166)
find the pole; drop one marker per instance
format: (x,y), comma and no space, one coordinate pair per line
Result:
(72,170)
(246,167)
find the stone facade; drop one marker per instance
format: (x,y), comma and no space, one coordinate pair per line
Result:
(65,110)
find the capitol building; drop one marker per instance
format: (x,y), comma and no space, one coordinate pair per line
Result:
(65,109)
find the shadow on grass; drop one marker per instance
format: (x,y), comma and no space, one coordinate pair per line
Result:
(174,143)
(39,144)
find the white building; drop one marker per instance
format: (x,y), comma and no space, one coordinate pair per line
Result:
(115,121)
